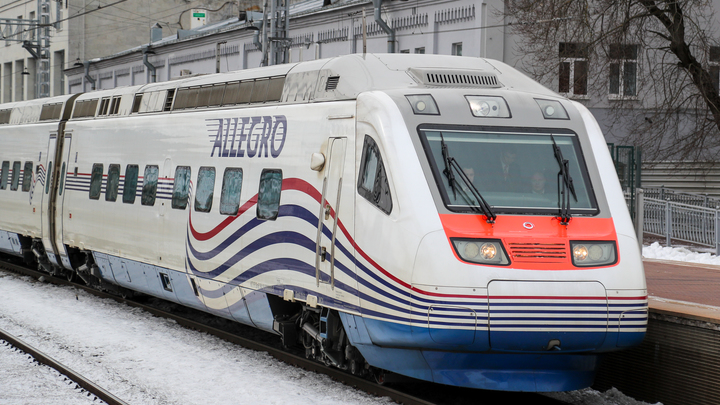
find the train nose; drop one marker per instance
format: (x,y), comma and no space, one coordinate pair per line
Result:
(543,316)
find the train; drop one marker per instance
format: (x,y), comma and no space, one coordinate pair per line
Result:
(443,218)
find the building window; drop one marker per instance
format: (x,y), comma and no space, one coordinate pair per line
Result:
(420,50)
(404,51)
(623,70)
(457,49)
(573,69)
(714,67)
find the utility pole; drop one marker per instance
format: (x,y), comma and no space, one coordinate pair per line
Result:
(16,30)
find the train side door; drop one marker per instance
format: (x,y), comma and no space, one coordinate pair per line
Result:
(325,249)
(42,190)
(60,215)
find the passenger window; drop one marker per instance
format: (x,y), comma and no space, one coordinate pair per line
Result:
(48,177)
(205,188)
(4,175)
(268,203)
(372,181)
(113,182)
(150,185)
(27,176)
(181,187)
(62,179)
(230,196)
(130,185)
(15,176)
(96,181)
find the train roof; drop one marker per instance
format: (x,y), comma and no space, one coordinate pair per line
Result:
(338,78)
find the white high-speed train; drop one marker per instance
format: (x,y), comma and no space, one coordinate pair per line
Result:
(444,218)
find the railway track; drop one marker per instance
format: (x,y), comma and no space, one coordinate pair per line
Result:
(399,389)
(77,378)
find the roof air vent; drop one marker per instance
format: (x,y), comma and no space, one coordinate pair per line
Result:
(332,83)
(456,78)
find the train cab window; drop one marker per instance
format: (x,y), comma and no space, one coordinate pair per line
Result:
(27,176)
(15,181)
(205,188)
(96,181)
(230,195)
(4,172)
(268,204)
(150,182)
(48,177)
(113,182)
(181,187)
(130,184)
(514,171)
(372,180)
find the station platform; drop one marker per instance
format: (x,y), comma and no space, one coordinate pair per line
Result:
(678,362)
(688,289)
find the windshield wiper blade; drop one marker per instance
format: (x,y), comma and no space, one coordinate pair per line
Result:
(567,185)
(479,202)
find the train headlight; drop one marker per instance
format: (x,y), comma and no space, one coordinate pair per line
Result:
(488,106)
(482,251)
(423,104)
(593,253)
(552,110)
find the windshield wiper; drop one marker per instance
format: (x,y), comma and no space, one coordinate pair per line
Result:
(479,202)
(567,185)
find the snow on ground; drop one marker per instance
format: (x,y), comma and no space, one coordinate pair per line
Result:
(681,254)
(143,359)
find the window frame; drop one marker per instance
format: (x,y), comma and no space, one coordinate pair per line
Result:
(225,195)
(571,54)
(27,177)
(273,203)
(373,196)
(619,58)
(15,179)
(113,183)
(200,182)
(128,196)
(184,191)
(4,174)
(96,181)
(150,184)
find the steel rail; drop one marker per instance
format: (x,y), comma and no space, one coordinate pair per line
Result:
(76,377)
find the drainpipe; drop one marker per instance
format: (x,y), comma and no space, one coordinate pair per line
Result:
(146,62)
(384,26)
(87,74)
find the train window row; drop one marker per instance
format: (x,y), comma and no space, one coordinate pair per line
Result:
(230,93)
(268,196)
(12,178)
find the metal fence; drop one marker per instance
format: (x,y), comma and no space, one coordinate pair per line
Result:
(666,194)
(681,222)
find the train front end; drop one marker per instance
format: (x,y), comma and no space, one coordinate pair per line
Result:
(525,264)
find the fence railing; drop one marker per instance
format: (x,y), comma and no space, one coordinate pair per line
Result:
(662,193)
(678,221)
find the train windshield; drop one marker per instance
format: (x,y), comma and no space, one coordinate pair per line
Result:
(513,171)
